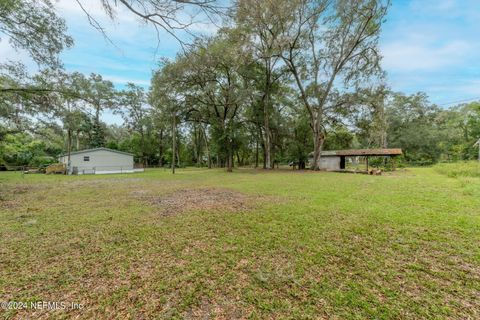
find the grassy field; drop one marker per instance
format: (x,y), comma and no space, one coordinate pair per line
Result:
(251,244)
(460,169)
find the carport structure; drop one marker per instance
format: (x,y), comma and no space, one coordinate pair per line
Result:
(335,159)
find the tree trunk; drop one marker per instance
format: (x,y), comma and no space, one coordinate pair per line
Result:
(78,140)
(197,143)
(209,157)
(174,142)
(264,157)
(229,160)
(256,153)
(266,123)
(266,113)
(97,114)
(383,141)
(318,140)
(142,141)
(204,134)
(160,148)
(383,138)
(268,163)
(199,160)
(178,157)
(69,149)
(239,162)
(272,156)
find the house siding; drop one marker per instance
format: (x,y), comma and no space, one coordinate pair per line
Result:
(100,161)
(330,163)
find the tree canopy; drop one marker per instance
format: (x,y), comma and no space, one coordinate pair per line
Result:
(277,84)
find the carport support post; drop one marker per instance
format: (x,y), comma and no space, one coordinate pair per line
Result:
(394,164)
(366,161)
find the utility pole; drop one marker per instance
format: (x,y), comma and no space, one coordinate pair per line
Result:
(69,147)
(477,144)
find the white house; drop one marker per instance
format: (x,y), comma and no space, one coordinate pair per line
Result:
(99,161)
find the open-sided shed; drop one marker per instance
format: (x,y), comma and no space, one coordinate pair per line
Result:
(334,160)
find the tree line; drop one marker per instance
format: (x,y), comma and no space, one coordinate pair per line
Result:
(278,83)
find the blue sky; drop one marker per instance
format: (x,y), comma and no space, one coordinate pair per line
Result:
(430,46)
(434,47)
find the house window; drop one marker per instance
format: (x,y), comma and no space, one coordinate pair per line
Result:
(86,158)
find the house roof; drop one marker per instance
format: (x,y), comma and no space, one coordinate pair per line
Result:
(96,149)
(363,152)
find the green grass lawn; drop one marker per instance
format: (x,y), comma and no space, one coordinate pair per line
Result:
(301,245)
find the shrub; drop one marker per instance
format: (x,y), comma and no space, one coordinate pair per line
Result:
(39,161)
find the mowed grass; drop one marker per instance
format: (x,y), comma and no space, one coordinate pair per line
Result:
(315,245)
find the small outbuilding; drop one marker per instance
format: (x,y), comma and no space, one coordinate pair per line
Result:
(99,161)
(335,160)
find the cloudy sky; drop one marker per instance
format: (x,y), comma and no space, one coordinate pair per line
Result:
(428,45)
(433,46)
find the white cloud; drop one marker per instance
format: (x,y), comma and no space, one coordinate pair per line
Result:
(433,5)
(6,50)
(447,95)
(447,9)
(471,87)
(420,54)
(433,46)
(8,53)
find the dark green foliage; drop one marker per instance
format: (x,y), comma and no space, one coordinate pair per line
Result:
(231,99)
(33,25)
(98,135)
(299,142)
(339,138)
(428,134)
(23,149)
(42,161)
(411,126)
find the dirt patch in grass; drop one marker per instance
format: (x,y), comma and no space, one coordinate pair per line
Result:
(207,199)
(9,204)
(100,182)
